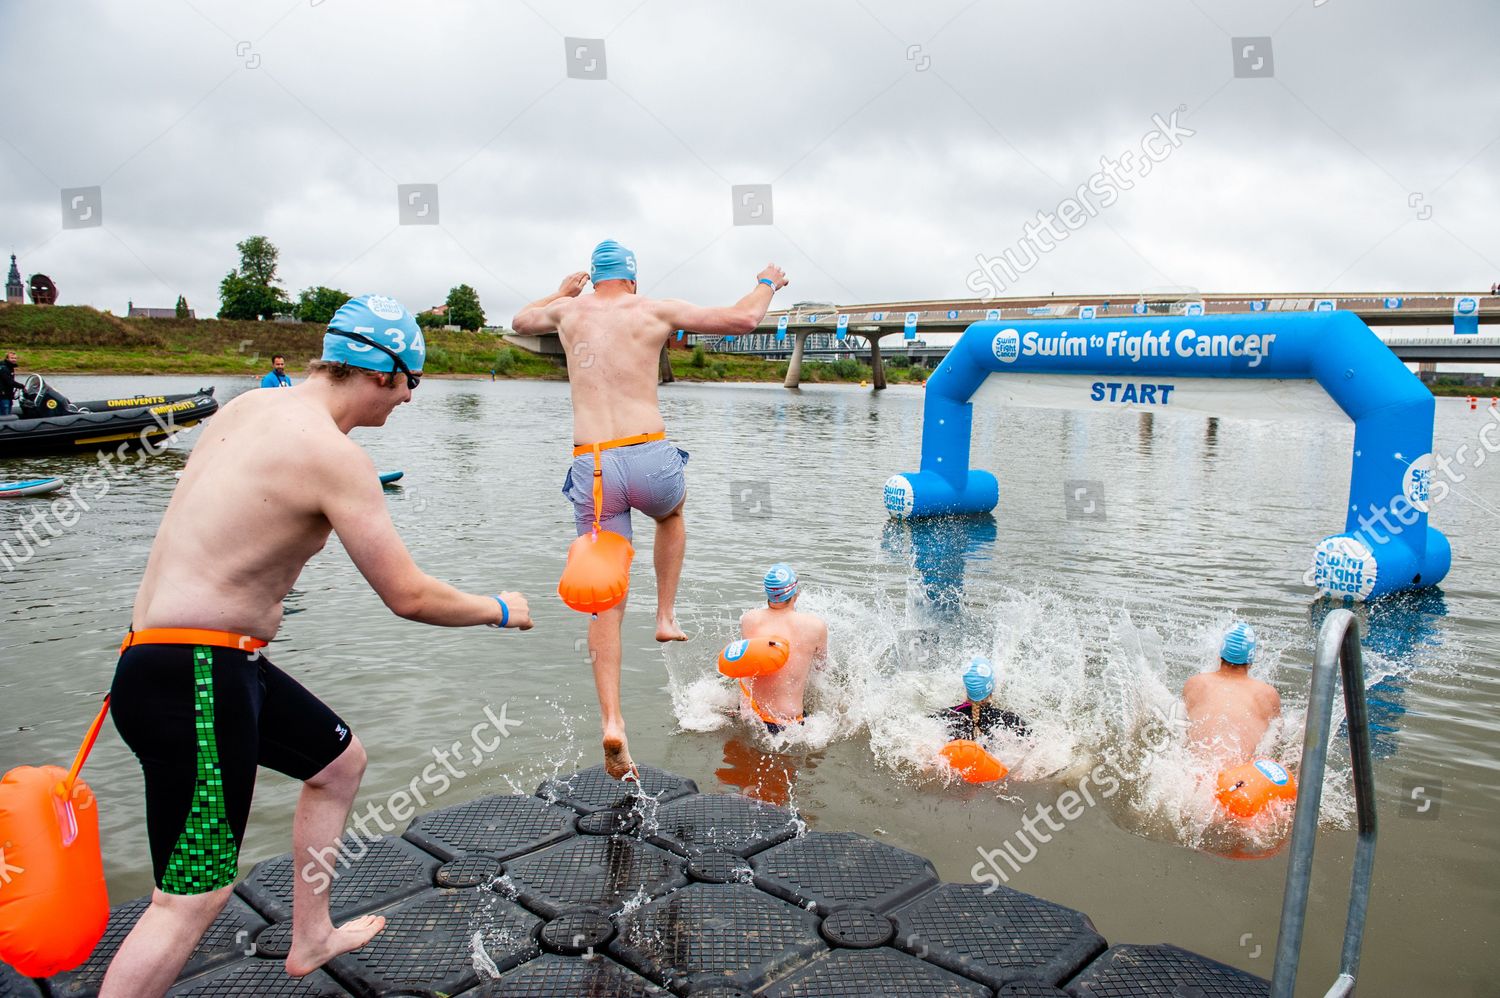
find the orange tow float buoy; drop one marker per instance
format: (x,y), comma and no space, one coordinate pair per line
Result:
(754,657)
(597,576)
(1247,790)
(969,760)
(53,902)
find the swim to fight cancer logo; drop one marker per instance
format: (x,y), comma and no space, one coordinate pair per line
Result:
(899,496)
(1007,346)
(1416,484)
(1272,771)
(386,308)
(1344,566)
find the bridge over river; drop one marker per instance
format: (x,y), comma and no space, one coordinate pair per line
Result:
(825,329)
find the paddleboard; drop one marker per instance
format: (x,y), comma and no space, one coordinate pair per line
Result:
(390,477)
(33,487)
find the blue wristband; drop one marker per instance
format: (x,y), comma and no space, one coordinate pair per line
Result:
(504,612)
(768,283)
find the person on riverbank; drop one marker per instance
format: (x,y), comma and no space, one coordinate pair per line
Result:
(276,377)
(194,696)
(613,340)
(1229,712)
(776,697)
(8,383)
(979,716)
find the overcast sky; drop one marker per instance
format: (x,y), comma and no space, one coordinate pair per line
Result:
(901,140)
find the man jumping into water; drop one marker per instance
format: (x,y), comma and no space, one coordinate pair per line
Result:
(613,339)
(272,475)
(776,698)
(1228,712)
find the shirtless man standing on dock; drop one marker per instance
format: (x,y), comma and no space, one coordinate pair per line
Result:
(193,696)
(613,339)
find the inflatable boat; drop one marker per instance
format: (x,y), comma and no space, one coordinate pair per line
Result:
(49,423)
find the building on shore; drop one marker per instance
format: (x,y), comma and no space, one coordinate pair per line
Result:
(15,291)
(133,311)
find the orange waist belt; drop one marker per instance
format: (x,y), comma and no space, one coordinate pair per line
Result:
(191,636)
(765,715)
(582,449)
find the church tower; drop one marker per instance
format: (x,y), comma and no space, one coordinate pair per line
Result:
(15,291)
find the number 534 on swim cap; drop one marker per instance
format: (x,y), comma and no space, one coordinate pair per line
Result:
(373,332)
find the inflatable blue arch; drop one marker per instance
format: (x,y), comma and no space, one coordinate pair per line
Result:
(1387,545)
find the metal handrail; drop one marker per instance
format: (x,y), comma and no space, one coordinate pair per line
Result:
(1338,652)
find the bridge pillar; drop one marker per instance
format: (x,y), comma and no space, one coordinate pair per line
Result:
(877,365)
(794,366)
(664,374)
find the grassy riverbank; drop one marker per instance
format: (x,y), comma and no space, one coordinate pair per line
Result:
(1464,391)
(79,340)
(75,339)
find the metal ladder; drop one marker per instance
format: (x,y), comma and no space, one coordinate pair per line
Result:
(1338,652)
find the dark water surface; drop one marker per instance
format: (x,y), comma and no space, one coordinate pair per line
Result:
(1095,624)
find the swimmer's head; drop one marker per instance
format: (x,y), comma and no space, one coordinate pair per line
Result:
(979,678)
(1239,644)
(612,262)
(376,333)
(781,584)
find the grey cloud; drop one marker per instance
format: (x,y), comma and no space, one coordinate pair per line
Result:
(888,177)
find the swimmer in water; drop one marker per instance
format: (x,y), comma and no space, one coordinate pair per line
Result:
(977,716)
(776,698)
(1228,712)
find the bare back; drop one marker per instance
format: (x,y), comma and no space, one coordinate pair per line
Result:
(1228,714)
(781,692)
(247,515)
(613,343)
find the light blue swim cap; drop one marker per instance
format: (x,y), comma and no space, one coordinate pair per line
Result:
(374,332)
(979,678)
(611,262)
(781,583)
(1239,644)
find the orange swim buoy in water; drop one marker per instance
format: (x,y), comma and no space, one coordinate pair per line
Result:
(53,902)
(1247,790)
(597,576)
(754,657)
(969,760)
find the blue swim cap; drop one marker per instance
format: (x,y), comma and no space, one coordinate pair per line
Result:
(375,333)
(979,678)
(781,583)
(1239,644)
(611,262)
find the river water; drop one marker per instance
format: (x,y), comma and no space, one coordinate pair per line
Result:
(1095,616)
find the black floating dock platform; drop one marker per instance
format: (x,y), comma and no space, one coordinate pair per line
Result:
(586,888)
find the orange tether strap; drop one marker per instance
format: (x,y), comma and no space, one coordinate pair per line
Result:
(191,636)
(85,748)
(582,449)
(761,712)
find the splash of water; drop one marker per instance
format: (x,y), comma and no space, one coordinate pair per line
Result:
(1094,687)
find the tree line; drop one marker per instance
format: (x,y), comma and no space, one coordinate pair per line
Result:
(252,291)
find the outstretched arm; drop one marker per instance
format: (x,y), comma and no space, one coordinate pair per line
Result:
(820,654)
(737,320)
(538,317)
(355,505)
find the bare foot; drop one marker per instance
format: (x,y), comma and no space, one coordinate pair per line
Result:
(667,630)
(307,957)
(617,761)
